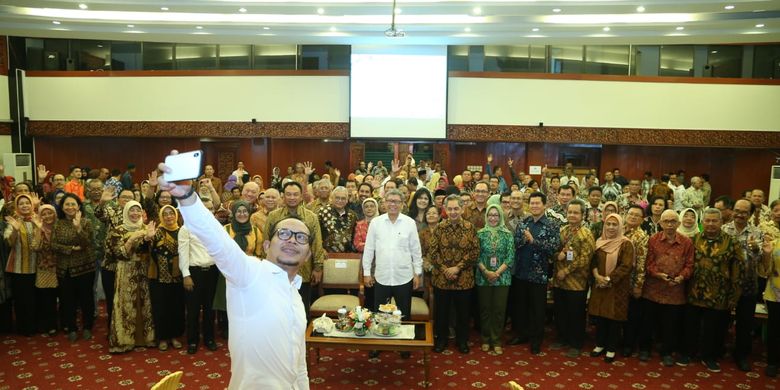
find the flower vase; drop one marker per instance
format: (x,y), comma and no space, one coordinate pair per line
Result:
(360,329)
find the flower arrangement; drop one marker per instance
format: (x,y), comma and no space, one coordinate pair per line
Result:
(361,319)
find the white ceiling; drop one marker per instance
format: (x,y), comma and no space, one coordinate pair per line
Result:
(453,22)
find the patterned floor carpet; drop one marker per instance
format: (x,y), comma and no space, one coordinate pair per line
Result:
(54,363)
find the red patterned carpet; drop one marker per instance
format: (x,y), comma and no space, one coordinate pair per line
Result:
(53,363)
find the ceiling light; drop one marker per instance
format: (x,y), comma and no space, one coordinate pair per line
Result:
(760,25)
(83,6)
(199,27)
(603,19)
(99,45)
(640,9)
(266,28)
(467,29)
(242,10)
(680,28)
(55,21)
(714,52)
(729,7)
(131,25)
(320,11)
(398,11)
(332,28)
(476,10)
(556,10)
(535,29)
(606,29)
(164,8)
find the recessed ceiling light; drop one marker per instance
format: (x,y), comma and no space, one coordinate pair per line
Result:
(680,28)
(760,25)
(83,6)
(131,25)
(332,28)
(199,27)
(640,9)
(476,10)
(398,11)
(535,29)
(242,10)
(55,21)
(606,29)
(467,29)
(714,52)
(164,8)
(320,11)
(266,28)
(99,45)
(728,7)
(556,10)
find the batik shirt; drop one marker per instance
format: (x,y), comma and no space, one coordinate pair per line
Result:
(611,191)
(533,259)
(752,256)
(454,244)
(338,229)
(717,272)
(582,245)
(501,246)
(639,238)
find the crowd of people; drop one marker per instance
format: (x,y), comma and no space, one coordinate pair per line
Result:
(654,265)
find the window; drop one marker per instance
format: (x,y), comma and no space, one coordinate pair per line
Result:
(766,62)
(91,55)
(724,61)
(158,56)
(234,56)
(276,56)
(566,59)
(506,58)
(126,56)
(676,60)
(537,62)
(324,57)
(458,58)
(607,59)
(196,56)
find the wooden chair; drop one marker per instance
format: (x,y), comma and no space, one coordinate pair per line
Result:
(422,307)
(514,386)
(340,271)
(170,382)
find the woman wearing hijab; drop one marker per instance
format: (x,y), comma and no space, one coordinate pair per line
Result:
(46,274)
(250,240)
(689,223)
(610,207)
(22,263)
(165,281)
(72,240)
(370,210)
(131,322)
(496,258)
(611,268)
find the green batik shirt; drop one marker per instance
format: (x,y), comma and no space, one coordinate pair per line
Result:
(501,246)
(717,272)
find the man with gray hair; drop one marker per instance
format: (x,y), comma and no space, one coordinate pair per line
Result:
(713,290)
(321,189)
(337,222)
(693,196)
(393,247)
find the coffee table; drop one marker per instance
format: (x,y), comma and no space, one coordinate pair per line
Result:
(422,342)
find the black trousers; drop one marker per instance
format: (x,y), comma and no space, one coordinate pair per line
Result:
(608,333)
(569,309)
(201,297)
(743,329)
(305,292)
(668,320)
(76,293)
(167,309)
(107,279)
(446,300)
(402,294)
(707,326)
(773,334)
(46,307)
(530,305)
(631,327)
(23,293)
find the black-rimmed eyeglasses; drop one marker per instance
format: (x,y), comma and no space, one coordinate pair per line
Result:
(300,237)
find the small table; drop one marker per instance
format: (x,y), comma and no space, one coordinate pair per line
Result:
(422,342)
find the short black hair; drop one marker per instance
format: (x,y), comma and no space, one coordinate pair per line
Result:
(292,183)
(115,172)
(595,188)
(370,187)
(636,206)
(131,166)
(60,212)
(538,194)
(566,187)
(727,201)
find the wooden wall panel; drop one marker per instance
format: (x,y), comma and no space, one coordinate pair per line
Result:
(285,152)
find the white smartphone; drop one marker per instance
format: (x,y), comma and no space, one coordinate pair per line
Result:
(184,166)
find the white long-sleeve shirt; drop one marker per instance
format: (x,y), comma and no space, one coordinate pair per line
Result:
(192,253)
(267,319)
(396,248)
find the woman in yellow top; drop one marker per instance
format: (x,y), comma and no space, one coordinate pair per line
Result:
(22,263)
(770,268)
(250,240)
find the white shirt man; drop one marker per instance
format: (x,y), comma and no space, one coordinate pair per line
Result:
(200,284)
(267,317)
